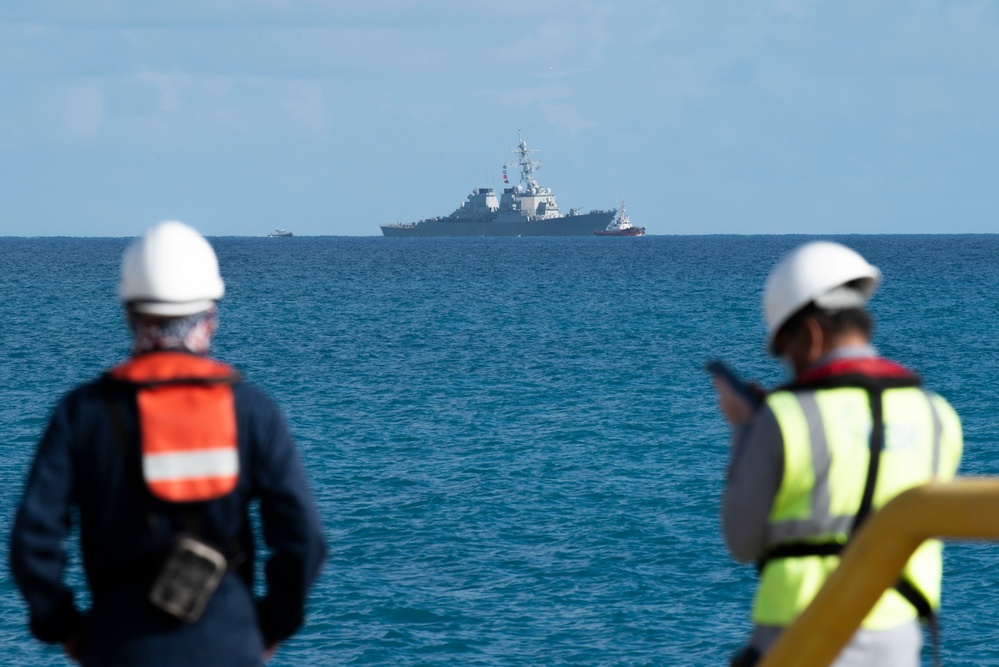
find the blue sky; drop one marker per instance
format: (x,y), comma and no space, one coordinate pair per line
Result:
(332,117)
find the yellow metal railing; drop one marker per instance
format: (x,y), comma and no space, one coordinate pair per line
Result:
(966,508)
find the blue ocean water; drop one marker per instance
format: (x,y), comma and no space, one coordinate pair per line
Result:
(515,451)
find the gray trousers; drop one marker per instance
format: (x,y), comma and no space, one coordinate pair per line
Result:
(899,646)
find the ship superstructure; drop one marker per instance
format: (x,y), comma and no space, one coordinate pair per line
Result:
(526,209)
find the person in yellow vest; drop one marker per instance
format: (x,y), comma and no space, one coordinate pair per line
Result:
(847,434)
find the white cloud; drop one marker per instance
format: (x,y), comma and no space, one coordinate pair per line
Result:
(184,106)
(565,115)
(305,108)
(598,31)
(84,112)
(796,9)
(168,88)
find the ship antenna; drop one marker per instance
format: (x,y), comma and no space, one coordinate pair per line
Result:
(526,164)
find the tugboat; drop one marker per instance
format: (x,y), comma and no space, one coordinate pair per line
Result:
(621,226)
(279,233)
(523,210)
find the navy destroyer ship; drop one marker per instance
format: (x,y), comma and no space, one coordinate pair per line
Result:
(526,209)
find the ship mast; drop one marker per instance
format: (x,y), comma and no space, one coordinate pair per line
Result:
(526,164)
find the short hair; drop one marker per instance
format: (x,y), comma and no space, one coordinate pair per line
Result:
(139,316)
(832,322)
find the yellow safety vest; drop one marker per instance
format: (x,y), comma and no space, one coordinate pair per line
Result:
(829,432)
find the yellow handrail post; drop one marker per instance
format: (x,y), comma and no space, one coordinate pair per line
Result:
(967,508)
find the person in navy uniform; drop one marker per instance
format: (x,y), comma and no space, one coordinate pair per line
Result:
(170,443)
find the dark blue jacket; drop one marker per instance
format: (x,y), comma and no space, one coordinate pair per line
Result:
(90,458)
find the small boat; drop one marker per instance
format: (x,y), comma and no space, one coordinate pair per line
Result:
(279,233)
(621,226)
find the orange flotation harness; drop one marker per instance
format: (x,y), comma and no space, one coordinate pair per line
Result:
(187,424)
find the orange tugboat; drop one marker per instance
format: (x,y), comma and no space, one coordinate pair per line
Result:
(621,226)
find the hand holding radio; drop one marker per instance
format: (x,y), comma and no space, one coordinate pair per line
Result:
(737,400)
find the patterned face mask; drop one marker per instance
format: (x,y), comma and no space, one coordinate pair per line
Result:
(190,333)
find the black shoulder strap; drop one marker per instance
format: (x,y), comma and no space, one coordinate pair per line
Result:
(915,597)
(133,464)
(875,398)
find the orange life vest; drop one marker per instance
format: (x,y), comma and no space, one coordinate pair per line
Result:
(187,424)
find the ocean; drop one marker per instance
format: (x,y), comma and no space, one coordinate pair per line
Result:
(515,450)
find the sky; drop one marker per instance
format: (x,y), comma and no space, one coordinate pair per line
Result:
(331,117)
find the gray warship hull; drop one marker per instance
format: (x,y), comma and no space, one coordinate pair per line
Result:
(570,225)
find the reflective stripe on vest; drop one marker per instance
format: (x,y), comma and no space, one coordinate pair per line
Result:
(187,424)
(827,434)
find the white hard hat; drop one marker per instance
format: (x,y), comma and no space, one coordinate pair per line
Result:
(816,272)
(170,271)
